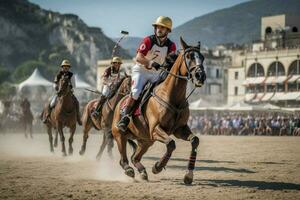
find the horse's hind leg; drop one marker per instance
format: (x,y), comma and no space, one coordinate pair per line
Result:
(72,131)
(30,130)
(137,156)
(49,131)
(56,138)
(121,142)
(161,136)
(186,134)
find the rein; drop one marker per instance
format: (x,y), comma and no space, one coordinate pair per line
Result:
(187,78)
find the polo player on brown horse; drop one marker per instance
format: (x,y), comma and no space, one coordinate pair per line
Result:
(166,112)
(103,120)
(64,111)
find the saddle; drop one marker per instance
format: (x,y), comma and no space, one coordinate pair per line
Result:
(146,94)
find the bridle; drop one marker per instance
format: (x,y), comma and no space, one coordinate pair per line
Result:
(189,76)
(60,87)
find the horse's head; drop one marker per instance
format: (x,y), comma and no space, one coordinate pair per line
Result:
(64,86)
(193,60)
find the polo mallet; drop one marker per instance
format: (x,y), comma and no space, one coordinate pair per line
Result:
(124,34)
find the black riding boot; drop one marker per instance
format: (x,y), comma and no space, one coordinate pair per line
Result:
(123,123)
(101,101)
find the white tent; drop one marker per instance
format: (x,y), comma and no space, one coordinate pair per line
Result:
(79,83)
(35,79)
(269,106)
(241,106)
(198,104)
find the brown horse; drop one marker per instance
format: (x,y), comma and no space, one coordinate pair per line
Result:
(104,123)
(26,117)
(165,113)
(62,115)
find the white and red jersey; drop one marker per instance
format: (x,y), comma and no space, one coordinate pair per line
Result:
(151,49)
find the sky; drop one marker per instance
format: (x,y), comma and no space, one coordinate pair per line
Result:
(135,16)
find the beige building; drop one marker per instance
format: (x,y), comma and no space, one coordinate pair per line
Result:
(269,72)
(280,31)
(236,77)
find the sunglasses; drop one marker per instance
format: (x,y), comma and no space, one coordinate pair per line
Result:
(117,63)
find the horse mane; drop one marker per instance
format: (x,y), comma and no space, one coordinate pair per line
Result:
(116,87)
(170,60)
(177,61)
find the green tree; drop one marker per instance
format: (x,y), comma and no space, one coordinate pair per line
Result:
(25,69)
(7,90)
(4,74)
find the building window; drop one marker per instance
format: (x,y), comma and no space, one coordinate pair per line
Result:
(276,69)
(294,68)
(236,75)
(256,70)
(215,89)
(268,30)
(295,29)
(217,73)
(236,90)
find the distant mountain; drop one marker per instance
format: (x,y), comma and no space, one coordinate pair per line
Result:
(29,32)
(130,44)
(237,24)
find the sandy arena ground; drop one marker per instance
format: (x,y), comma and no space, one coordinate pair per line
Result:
(228,167)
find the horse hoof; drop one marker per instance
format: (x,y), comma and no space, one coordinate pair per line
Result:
(188,178)
(129,172)
(98,158)
(156,169)
(70,152)
(55,144)
(81,152)
(52,150)
(144,175)
(64,154)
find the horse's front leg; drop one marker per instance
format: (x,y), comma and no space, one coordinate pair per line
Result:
(49,131)
(161,136)
(103,145)
(186,134)
(110,144)
(25,129)
(87,124)
(62,139)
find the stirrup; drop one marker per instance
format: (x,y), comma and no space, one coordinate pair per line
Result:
(45,119)
(123,123)
(95,113)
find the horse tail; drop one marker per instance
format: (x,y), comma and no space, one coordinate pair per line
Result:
(133,146)
(42,115)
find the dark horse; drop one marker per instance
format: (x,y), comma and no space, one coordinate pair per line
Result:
(62,115)
(120,89)
(26,118)
(165,113)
